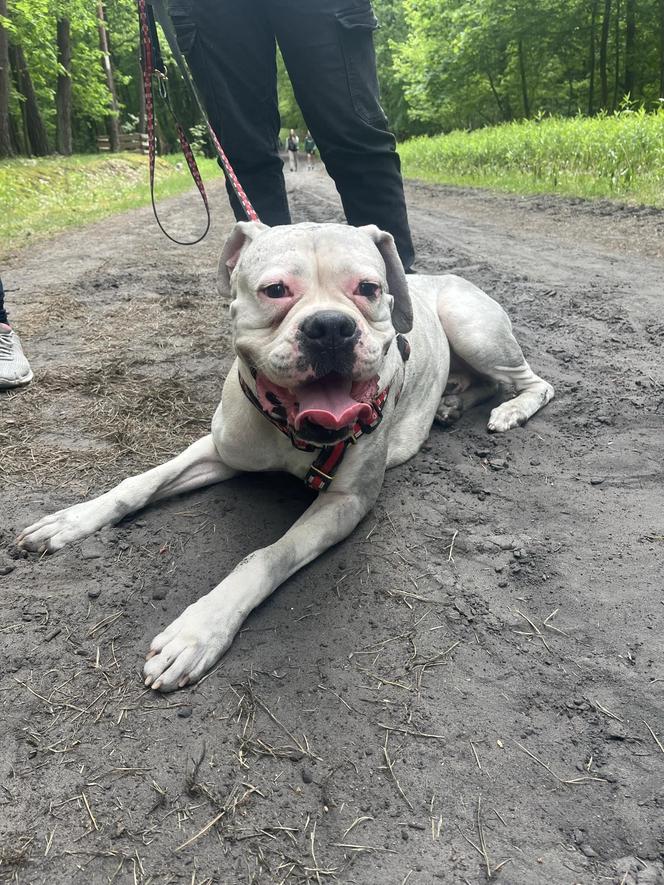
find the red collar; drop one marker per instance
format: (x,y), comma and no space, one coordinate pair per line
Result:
(321,473)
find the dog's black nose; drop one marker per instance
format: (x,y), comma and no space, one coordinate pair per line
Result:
(329,328)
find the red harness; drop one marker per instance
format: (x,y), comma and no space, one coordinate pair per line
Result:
(321,473)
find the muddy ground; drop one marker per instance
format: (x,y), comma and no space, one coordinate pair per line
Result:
(470,687)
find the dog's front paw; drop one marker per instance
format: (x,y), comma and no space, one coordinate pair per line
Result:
(506,416)
(188,647)
(52,532)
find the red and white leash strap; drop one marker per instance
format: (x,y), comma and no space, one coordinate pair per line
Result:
(148,48)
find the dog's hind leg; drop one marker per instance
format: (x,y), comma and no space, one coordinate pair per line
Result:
(199,465)
(532,394)
(480,333)
(453,405)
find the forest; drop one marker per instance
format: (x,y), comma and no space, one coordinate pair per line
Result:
(69,71)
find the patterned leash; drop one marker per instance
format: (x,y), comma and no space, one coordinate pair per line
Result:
(153,66)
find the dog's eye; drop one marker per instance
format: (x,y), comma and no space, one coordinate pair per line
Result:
(367,289)
(275,290)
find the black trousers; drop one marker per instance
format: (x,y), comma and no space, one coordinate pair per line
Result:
(327,46)
(3,312)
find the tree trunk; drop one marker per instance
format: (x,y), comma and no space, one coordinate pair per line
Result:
(34,125)
(616,61)
(113,119)
(494,92)
(6,147)
(630,48)
(603,51)
(524,85)
(15,136)
(23,139)
(591,60)
(63,92)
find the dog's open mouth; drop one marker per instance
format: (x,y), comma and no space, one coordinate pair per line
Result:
(332,402)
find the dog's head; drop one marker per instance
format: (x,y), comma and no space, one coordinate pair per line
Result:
(315,310)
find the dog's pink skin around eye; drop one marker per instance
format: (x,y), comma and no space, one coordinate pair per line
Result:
(292,284)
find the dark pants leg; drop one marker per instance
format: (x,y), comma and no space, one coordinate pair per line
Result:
(230,48)
(328,49)
(3,312)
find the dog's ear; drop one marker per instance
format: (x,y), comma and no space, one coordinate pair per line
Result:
(402,308)
(240,237)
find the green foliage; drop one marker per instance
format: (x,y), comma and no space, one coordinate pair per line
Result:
(47,195)
(32,25)
(617,155)
(289,111)
(443,65)
(471,63)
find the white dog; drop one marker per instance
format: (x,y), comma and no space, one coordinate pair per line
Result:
(319,315)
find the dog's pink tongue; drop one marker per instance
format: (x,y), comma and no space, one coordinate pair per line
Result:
(329,404)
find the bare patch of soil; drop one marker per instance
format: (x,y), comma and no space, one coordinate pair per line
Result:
(469,688)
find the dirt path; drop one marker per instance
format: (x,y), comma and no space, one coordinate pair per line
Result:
(466,686)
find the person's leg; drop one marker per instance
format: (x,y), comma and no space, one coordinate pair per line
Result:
(230,49)
(3,312)
(14,367)
(328,49)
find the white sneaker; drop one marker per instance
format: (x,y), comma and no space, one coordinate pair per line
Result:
(14,367)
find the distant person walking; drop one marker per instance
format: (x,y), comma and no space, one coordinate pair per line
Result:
(14,367)
(309,149)
(293,146)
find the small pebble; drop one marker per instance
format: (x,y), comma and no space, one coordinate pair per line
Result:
(159,593)
(596,480)
(587,850)
(6,569)
(307,776)
(92,549)
(94,592)
(185,712)
(615,732)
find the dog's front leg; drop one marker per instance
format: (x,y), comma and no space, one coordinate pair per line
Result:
(186,649)
(197,466)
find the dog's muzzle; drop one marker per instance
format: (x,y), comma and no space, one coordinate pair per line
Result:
(327,342)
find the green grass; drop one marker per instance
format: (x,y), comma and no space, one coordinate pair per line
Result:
(43,196)
(619,157)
